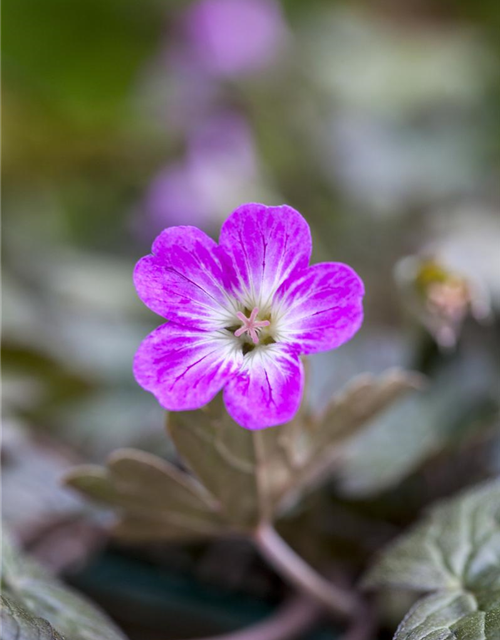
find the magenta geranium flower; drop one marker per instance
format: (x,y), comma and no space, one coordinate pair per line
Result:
(241,313)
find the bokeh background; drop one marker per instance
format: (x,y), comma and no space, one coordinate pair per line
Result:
(380,122)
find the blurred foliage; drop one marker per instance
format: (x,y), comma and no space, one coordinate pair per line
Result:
(35,605)
(33,497)
(81,62)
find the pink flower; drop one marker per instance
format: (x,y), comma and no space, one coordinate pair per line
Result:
(232,37)
(221,165)
(240,314)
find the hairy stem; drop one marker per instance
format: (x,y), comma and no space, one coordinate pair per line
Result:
(301,575)
(290,621)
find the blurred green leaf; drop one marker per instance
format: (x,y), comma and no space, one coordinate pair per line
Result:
(405,66)
(155,500)
(361,401)
(35,606)
(394,445)
(454,551)
(79,57)
(52,382)
(32,497)
(389,449)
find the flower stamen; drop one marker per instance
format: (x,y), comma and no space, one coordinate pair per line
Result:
(250,325)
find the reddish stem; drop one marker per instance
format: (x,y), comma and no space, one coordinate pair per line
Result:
(301,575)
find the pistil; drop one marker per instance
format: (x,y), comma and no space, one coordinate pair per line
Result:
(250,325)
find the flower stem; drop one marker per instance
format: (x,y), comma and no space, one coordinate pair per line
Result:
(290,621)
(302,576)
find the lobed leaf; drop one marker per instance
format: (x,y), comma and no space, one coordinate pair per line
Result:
(454,615)
(252,472)
(246,476)
(360,402)
(35,606)
(396,444)
(455,552)
(456,546)
(155,499)
(247,471)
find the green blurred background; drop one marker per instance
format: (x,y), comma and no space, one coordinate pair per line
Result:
(379,121)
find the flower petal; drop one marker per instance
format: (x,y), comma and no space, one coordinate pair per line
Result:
(185,368)
(263,246)
(321,308)
(268,389)
(183,279)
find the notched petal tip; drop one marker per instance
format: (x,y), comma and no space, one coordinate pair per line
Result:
(267,392)
(322,307)
(179,234)
(183,280)
(262,246)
